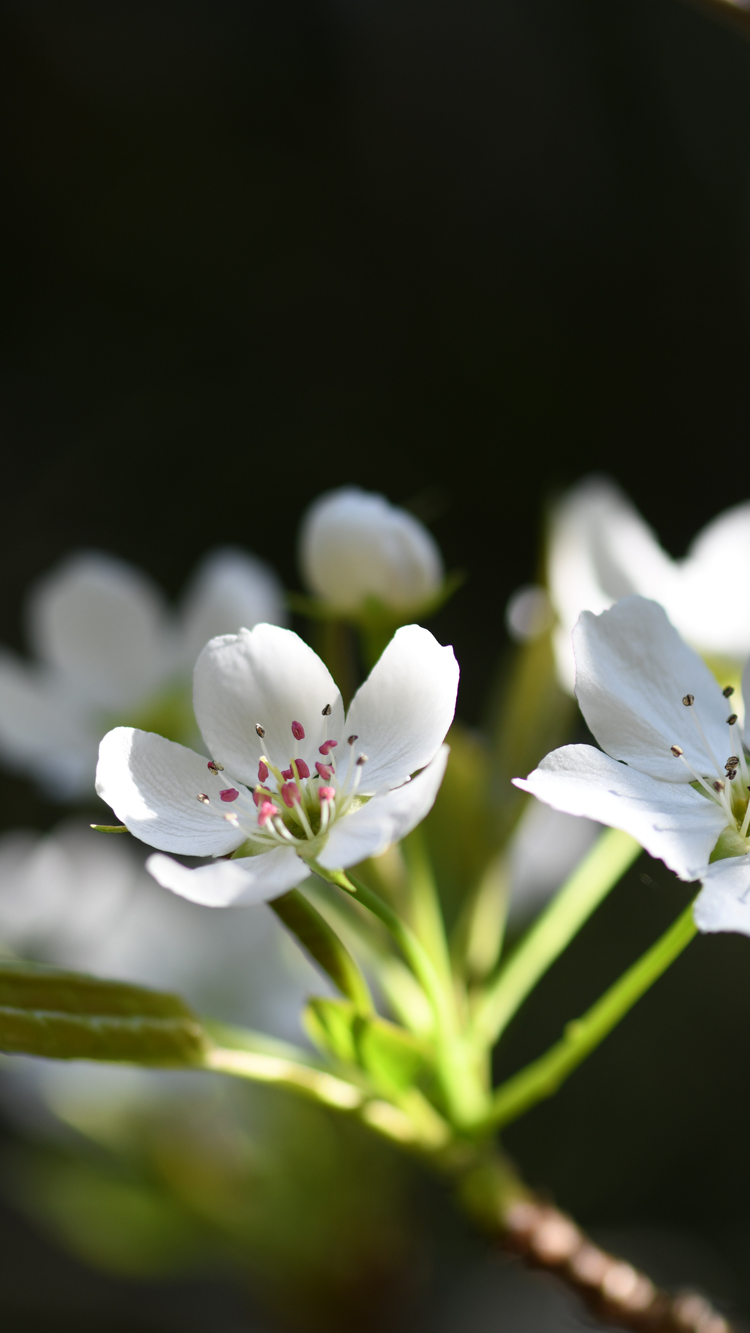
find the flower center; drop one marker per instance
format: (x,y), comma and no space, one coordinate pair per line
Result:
(727,787)
(294,806)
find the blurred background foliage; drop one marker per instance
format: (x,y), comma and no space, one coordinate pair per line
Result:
(461,255)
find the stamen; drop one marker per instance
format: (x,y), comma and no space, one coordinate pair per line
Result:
(718,785)
(232,818)
(746,820)
(361,760)
(300,768)
(688,700)
(229,794)
(324,771)
(260,730)
(260,794)
(728,691)
(731,774)
(214,767)
(327,746)
(327,793)
(266,812)
(712,793)
(676,750)
(326,712)
(732,761)
(351,739)
(288,774)
(203,798)
(290,794)
(262,771)
(298,731)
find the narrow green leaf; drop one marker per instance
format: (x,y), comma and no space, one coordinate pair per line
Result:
(70,1016)
(323,945)
(108,828)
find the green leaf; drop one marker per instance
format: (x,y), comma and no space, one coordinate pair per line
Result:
(109,828)
(70,1016)
(393,1057)
(321,942)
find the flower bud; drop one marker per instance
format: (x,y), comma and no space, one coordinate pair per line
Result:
(355,545)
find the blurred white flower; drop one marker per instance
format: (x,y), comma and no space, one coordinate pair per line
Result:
(674,773)
(109,649)
(600,549)
(82,900)
(355,546)
(293,780)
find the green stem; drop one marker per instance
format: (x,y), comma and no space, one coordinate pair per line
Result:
(591,881)
(460,1077)
(424,902)
(323,945)
(543,1077)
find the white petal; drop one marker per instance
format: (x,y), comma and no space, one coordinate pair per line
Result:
(632,672)
(229,591)
(710,602)
(248,880)
(100,623)
(265,676)
(600,549)
(724,903)
(404,709)
(672,822)
(385,819)
(45,731)
(152,785)
(355,545)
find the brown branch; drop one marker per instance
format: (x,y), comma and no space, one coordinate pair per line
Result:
(614,1291)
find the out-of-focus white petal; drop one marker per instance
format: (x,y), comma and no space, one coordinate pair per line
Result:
(153,784)
(709,601)
(404,709)
(385,819)
(43,730)
(100,623)
(247,880)
(632,672)
(354,545)
(229,591)
(673,822)
(269,677)
(593,531)
(546,847)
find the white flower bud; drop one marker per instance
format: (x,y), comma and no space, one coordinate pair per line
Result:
(354,545)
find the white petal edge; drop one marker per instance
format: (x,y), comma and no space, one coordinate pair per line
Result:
(152,785)
(242,882)
(720,905)
(266,676)
(402,712)
(385,819)
(673,822)
(632,672)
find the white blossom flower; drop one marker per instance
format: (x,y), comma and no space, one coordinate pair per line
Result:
(600,549)
(355,546)
(108,649)
(674,773)
(292,780)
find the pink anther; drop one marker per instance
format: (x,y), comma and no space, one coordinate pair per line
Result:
(266,812)
(301,767)
(287,773)
(298,731)
(327,793)
(327,746)
(260,794)
(262,771)
(229,794)
(290,794)
(324,770)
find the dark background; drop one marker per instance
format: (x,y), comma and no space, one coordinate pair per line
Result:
(462,254)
